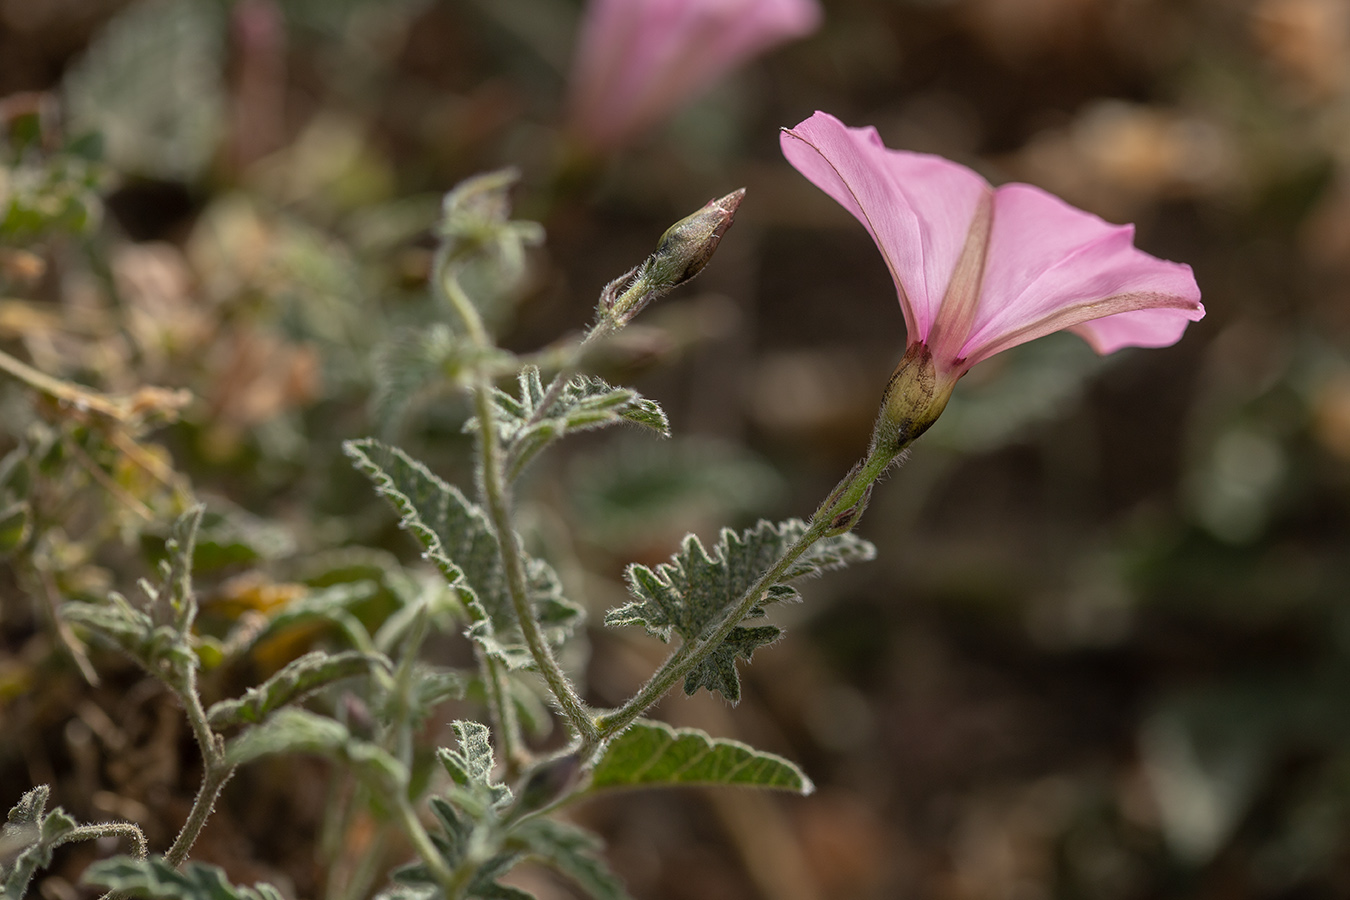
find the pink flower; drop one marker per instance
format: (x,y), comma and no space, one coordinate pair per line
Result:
(637,60)
(981,269)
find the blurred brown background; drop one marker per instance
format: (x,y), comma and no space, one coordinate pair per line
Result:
(1103,652)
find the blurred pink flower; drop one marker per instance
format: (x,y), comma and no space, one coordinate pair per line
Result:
(981,269)
(636,61)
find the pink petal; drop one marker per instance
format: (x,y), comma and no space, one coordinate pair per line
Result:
(1051,266)
(637,60)
(918,208)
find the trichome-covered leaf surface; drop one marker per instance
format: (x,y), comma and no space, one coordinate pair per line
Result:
(585,403)
(651,754)
(28,839)
(157,880)
(691,592)
(458,538)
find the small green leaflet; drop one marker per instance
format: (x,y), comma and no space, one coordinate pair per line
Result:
(457,537)
(28,839)
(297,680)
(159,637)
(688,594)
(584,403)
(157,880)
(470,767)
(652,754)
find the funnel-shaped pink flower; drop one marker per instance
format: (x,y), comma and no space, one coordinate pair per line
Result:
(982,269)
(637,60)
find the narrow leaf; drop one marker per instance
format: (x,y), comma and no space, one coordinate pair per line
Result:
(300,678)
(292,730)
(652,754)
(585,403)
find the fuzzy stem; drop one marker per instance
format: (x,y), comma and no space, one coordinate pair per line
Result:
(604,326)
(496,498)
(422,843)
(215,771)
(504,719)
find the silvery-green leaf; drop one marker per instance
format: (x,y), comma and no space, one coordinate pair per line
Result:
(457,537)
(691,592)
(652,754)
(297,680)
(155,879)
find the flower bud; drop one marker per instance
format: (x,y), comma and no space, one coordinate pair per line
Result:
(687,245)
(681,254)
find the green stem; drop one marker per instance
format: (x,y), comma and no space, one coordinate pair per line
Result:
(504,719)
(496,498)
(215,771)
(422,843)
(109,829)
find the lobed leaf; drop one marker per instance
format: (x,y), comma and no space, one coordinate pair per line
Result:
(457,537)
(690,593)
(585,403)
(652,754)
(157,880)
(297,680)
(27,840)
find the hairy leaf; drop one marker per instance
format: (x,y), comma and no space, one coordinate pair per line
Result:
(300,678)
(470,767)
(151,84)
(28,839)
(651,754)
(574,852)
(292,730)
(583,404)
(157,880)
(691,592)
(460,833)
(331,604)
(458,538)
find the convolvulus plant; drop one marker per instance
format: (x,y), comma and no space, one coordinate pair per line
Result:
(977,270)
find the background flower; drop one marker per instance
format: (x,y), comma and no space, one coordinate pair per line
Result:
(636,61)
